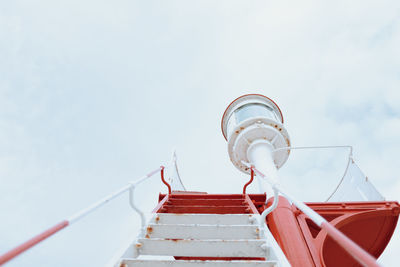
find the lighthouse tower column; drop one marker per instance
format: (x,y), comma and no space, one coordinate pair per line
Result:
(260,154)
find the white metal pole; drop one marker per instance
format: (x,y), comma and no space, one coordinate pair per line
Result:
(260,154)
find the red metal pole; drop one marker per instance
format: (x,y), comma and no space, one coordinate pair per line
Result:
(33,241)
(284,228)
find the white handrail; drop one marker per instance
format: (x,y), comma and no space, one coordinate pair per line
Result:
(270,208)
(270,239)
(355,251)
(11,254)
(110,197)
(314,147)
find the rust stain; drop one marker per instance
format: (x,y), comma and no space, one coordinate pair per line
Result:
(149,229)
(147,236)
(123,265)
(138,245)
(174,239)
(157,219)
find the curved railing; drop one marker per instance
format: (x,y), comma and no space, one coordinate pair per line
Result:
(175,179)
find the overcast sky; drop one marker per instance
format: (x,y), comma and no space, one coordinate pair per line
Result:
(94,94)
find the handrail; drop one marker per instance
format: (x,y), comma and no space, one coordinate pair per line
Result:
(270,239)
(163,180)
(360,255)
(314,147)
(249,182)
(270,208)
(11,254)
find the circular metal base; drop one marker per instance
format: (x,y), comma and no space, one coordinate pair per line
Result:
(258,129)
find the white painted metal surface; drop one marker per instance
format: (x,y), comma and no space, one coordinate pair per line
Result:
(202,231)
(181,263)
(224,219)
(276,252)
(202,248)
(250,118)
(204,235)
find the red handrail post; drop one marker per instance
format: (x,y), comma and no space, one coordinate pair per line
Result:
(249,182)
(163,180)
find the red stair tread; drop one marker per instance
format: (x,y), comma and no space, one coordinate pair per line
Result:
(209,203)
(206,209)
(206,196)
(206,202)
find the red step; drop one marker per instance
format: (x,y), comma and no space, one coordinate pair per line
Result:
(208,203)
(207,209)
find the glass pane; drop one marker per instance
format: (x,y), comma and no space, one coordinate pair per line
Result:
(319,175)
(254,110)
(355,186)
(173,177)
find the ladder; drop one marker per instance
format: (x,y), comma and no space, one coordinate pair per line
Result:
(202,230)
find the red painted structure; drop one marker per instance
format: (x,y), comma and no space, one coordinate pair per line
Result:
(369,224)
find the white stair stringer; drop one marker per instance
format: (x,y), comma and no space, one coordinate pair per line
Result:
(204,235)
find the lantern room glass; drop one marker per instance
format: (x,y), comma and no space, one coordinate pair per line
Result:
(248,111)
(254,110)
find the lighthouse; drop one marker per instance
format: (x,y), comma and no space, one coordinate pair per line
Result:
(271,228)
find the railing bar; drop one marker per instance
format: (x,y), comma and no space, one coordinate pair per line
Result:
(313,147)
(352,248)
(32,242)
(72,219)
(270,208)
(109,197)
(77,216)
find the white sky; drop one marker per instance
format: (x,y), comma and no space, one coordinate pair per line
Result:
(96,93)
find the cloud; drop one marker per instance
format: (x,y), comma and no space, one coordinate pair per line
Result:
(93,94)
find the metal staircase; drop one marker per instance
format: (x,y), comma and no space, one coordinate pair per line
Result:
(203,230)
